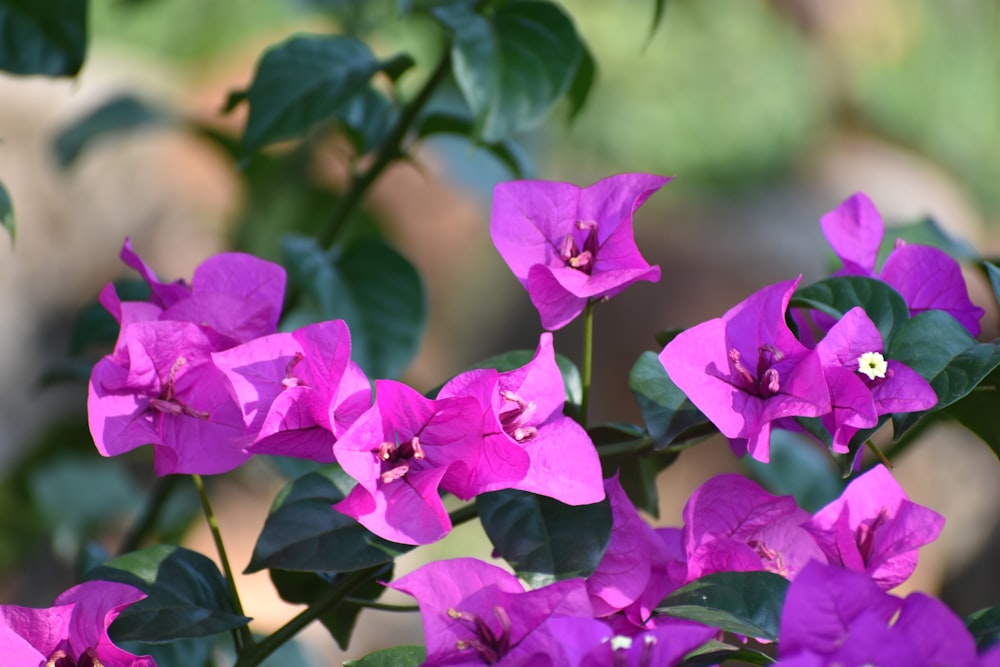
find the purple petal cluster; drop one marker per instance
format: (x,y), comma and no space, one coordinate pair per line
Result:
(569,245)
(926,277)
(73,631)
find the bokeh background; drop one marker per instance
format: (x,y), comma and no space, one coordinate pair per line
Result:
(768,114)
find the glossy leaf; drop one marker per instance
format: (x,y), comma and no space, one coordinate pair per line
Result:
(985,627)
(744,603)
(397,656)
(371,287)
(120,114)
(977,411)
(667,411)
(513,65)
(48,38)
(717,653)
(306,587)
(993,272)
(504,150)
(836,296)
(187,595)
(941,350)
(7,214)
(542,538)
(304,533)
(799,468)
(306,80)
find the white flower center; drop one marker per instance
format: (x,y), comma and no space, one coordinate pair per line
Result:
(872,364)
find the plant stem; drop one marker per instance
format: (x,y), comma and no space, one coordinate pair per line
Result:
(463,514)
(588,354)
(381,606)
(146,521)
(389,150)
(244,639)
(878,452)
(332,597)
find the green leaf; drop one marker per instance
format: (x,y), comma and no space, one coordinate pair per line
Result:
(187,595)
(95,328)
(658,10)
(48,38)
(508,361)
(926,232)
(984,625)
(638,477)
(504,150)
(306,80)
(371,287)
(7,213)
(717,653)
(542,538)
(941,350)
(745,603)
(977,411)
(799,468)
(513,65)
(397,656)
(583,82)
(304,533)
(994,275)
(120,114)
(306,587)
(667,411)
(836,296)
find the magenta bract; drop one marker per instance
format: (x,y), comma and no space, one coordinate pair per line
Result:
(568,245)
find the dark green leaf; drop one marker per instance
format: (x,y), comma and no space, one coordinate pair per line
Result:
(985,627)
(543,539)
(638,478)
(372,288)
(745,603)
(7,214)
(941,350)
(836,296)
(398,656)
(233,100)
(514,65)
(667,411)
(926,232)
(306,80)
(304,533)
(187,595)
(977,411)
(994,275)
(306,587)
(716,653)
(508,361)
(95,328)
(43,37)
(117,115)
(658,9)
(187,652)
(504,150)
(583,82)
(799,468)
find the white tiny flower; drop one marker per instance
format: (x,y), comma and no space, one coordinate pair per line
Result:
(872,364)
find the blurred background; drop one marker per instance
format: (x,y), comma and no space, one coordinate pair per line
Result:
(768,114)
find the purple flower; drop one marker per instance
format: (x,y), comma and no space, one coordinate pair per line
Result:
(569,245)
(160,387)
(863,384)
(527,433)
(298,390)
(746,369)
(634,574)
(401,451)
(733,525)
(926,277)
(835,617)
(74,631)
(475,613)
(875,529)
(587,642)
(235,296)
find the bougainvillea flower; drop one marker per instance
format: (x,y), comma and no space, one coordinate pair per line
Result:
(746,369)
(161,388)
(632,577)
(298,390)
(731,524)
(863,384)
(588,642)
(569,245)
(404,449)
(523,408)
(236,296)
(926,277)
(476,613)
(72,632)
(836,617)
(875,529)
